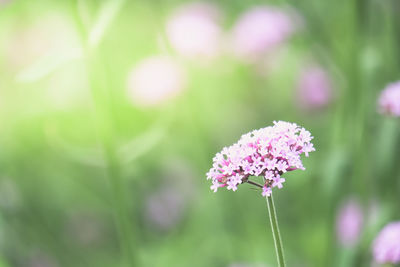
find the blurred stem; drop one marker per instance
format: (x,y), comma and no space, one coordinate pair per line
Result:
(100,92)
(104,124)
(275,231)
(386,144)
(346,257)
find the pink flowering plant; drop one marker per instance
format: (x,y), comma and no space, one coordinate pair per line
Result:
(386,246)
(268,152)
(389,100)
(349,223)
(260,30)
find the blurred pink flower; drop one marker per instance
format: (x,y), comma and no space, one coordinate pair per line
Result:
(349,223)
(32,41)
(10,195)
(164,208)
(194,31)
(267,152)
(386,246)
(85,229)
(155,80)
(389,100)
(3,2)
(39,258)
(259,30)
(314,88)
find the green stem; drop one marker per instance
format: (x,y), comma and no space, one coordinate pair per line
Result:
(121,211)
(275,231)
(104,120)
(104,124)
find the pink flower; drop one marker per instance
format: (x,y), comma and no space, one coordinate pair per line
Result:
(314,88)
(165,207)
(389,100)
(259,30)
(266,191)
(155,80)
(349,223)
(267,152)
(37,257)
(193,30)
(85,228)
(386,246)
(278,182)
(3,2)
(31,42)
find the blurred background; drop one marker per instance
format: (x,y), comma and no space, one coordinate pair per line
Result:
(111,112)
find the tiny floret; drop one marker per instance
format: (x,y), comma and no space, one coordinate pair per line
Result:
(386,247)
(268,152)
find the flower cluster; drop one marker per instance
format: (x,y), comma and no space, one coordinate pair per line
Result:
(267,152)
(389,100)
(386,247)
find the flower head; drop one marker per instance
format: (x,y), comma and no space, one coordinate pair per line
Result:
(267,152)
(349,223)
(193,30)
(314,88)
(389,100)
(259,30)
(386,247)
(155,80)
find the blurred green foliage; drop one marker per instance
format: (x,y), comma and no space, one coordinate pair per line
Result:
(75,154)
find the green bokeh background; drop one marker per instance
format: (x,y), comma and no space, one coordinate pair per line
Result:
(79,162)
